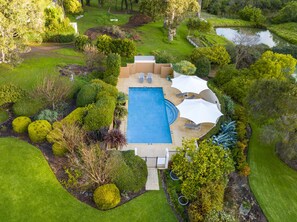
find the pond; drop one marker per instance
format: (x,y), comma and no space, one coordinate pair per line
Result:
(251,36)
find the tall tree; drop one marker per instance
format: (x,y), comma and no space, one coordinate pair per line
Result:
(18,18)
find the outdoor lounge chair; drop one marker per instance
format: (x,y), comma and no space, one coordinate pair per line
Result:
(141,77)
(149,78)
(192,126)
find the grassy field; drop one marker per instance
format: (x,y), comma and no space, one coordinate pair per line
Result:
(31,192)
(272,182)
(225,22)
(287,31)
(95,17)
(154,37)
(38,65)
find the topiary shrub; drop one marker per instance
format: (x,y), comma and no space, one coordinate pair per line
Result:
(112,72)
(107,196)
(3,116)
(38,130)
(86,95)
(81,41)
(48,115)
(27,107)
(10,93)
(98,118)
(20,124)
(58,149)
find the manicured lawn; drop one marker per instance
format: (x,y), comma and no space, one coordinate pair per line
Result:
(31,192)
(95,17)
(225,22)
(287,31)
(154,37)
(272,182)
(34,68)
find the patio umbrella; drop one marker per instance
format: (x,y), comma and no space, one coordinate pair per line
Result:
(192,84)
(199,111)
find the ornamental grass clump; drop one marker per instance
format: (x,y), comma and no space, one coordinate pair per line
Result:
(38,130)
(20,124)
(107,196)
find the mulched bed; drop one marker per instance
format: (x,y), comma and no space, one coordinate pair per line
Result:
(137,20)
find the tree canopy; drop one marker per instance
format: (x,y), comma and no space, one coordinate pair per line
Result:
(199,166)
(18,18)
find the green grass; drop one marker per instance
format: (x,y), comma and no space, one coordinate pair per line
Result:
(31,192)
(287,31)
(95,17)
(272,182)
(154,37)
(68,52)
(34,68)
(226,22)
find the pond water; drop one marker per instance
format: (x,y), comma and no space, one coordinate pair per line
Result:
(251,35)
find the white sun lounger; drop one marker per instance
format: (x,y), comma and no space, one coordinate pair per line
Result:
(141,77)
(149,78)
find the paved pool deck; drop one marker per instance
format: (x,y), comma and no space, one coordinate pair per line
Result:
(178,130)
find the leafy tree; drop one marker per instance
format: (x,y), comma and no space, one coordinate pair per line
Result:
(184,67)
(215,54)
(18,18)
(274,65)
(72,6)
(112,72)
(287,14)
(199,25)
(199,166)
(174,12)
(253,14)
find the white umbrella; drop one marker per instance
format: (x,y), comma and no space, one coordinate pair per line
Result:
(191,84)
(199,111)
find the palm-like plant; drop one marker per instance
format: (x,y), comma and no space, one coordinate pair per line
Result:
(115,139)
(120,112)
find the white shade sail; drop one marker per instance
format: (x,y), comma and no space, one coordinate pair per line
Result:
(192,84)
(199,111)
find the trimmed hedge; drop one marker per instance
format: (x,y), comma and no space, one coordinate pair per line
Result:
(20,124)
(38,130)
(98,118)
(27,107)
(107,196)
(56,134)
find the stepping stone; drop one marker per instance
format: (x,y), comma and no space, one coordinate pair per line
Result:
(152,182)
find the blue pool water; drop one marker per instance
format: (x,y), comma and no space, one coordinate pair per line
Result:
(147,116)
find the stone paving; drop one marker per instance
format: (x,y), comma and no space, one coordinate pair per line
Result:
(152,182)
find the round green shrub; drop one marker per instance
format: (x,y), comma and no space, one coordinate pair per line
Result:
(38,130)
(3,116)
(58,149)
(86,95)
(54,135)
(107,196)
(203,67)
(20,124)
(27,107)
(81,41)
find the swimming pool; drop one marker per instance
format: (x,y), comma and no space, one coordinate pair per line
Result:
(147,116)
